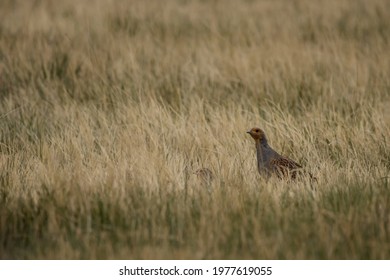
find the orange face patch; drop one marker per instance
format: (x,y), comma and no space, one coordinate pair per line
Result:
(256,133)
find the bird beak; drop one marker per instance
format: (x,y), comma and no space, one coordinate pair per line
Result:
(248,132)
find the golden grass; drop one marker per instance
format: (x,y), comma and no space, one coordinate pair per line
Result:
(108,107)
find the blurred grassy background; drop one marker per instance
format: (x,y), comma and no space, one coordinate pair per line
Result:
(107,108)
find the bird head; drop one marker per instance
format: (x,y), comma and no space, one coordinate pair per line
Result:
(257,134)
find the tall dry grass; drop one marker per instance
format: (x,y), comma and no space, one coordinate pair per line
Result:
(107,108)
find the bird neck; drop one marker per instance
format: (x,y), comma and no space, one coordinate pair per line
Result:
(263,143)
(261,151)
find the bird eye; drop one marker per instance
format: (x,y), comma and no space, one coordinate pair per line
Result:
(257,130)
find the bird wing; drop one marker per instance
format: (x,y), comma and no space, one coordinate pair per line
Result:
(285,167)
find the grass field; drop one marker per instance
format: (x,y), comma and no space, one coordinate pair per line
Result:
(108,107)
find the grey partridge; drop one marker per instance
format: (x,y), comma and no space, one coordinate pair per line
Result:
(270,162)
(205,177)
